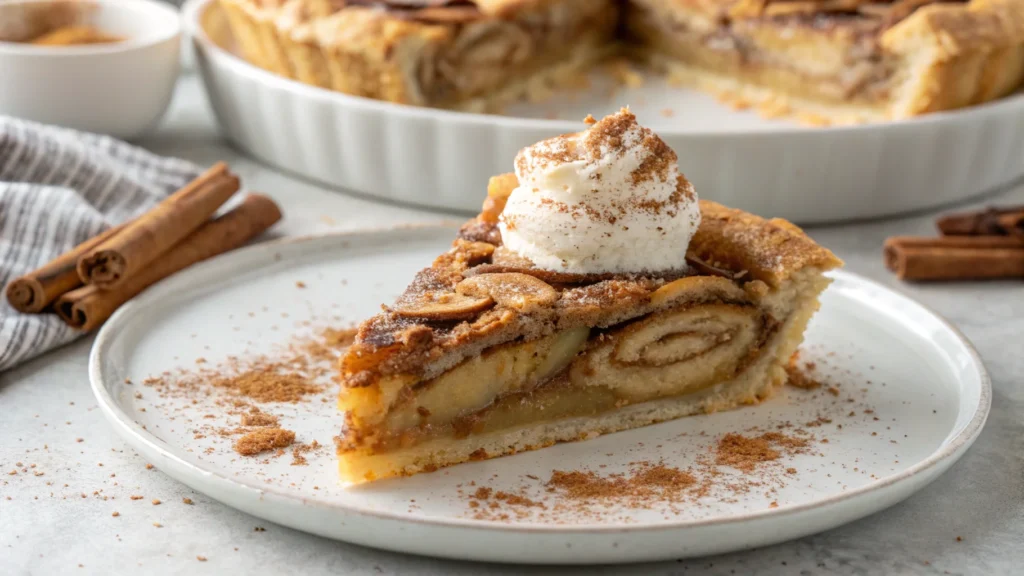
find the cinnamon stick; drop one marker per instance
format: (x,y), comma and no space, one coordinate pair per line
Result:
(118,258)
(1012,223)
(990,221)
(35,291)
(88,307)
(955,257)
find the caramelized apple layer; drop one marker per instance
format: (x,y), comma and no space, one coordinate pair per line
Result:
(565,375)
(476,383)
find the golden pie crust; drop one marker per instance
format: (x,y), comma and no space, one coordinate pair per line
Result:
(449,54)
(826,61)
(485,355)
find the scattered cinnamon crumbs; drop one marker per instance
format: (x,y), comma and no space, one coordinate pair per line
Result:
(517,500)
(800,379)
(268,385)
(264,440)
(298,453)
(256,417)
(290,374)
(644,482)
(651,485)
(746,453)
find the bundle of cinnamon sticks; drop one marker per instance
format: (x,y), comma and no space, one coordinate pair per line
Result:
(981,245)
(87,284)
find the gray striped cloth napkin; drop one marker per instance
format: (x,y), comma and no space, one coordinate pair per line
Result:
(58,188)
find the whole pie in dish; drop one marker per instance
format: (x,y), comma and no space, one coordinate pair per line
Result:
(594,293)
(825,60)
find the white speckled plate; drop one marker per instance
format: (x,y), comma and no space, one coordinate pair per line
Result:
(911,396)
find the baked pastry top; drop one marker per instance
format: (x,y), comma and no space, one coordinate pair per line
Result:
(828,60)
(444,315)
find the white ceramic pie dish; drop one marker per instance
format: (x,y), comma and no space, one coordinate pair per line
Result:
(443,159)
(120,89)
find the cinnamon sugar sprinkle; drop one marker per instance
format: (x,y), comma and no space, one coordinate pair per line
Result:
(800,378)
(732,468)
(746,453)
(734,465)
(264,440)
(238,393)
(256,417)
(268,385)
(615,134)
(644,482)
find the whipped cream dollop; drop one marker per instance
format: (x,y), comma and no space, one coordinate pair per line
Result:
(609,199)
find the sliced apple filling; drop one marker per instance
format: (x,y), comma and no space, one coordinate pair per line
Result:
(572,373)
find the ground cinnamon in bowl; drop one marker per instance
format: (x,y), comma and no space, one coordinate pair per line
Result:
(75,35)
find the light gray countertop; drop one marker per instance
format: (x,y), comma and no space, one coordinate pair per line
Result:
(60,523)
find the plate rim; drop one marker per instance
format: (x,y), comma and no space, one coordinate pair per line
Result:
(192,9)
(143,440)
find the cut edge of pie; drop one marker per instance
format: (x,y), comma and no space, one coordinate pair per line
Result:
(823,61)
(485,356)
(837,61)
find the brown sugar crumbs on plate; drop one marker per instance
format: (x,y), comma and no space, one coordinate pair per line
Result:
(300,450)
(745,453)
(264,440)
(258,418)
(754,459)
(224,399)
(644,482)
(800,378)
(287,375)
(748,462)
(263,385)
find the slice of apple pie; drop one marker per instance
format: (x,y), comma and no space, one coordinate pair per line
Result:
(594,293)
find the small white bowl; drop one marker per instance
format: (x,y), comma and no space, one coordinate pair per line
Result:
(121,89)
